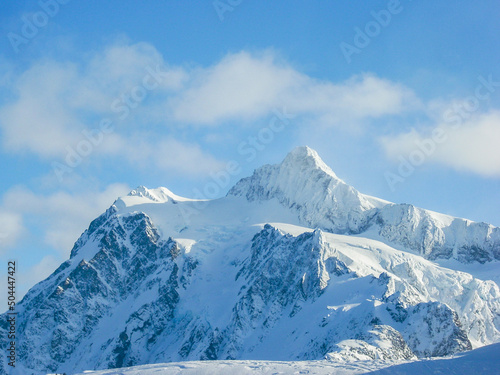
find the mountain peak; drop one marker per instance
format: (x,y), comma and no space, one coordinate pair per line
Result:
(304,157)
(304,151)
(304,183)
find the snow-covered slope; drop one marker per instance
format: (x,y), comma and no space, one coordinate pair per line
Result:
(292,265)
(483,361)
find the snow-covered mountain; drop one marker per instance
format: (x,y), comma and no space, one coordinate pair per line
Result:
(293,264)
(307,186)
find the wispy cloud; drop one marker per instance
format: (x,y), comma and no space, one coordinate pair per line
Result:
(53,101)
(56,102)
(246,86)
(38,119)
(11,229)
(472,146)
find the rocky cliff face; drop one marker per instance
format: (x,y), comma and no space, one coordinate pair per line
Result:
(114,268)
(243,278)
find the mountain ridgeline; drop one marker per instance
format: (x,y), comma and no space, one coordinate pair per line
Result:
(292,264)
(306,185)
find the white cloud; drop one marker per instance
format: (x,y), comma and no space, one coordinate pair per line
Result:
(11,228)
(38,120)
(472,146)
(239,86)
(120,69)
(246,86)
(53,102)
(6,72)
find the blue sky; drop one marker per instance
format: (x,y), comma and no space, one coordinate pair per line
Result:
(400,98)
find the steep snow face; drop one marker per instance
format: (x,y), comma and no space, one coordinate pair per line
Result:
(305,184)
(437,236)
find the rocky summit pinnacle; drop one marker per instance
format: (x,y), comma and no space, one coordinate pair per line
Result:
(291,255)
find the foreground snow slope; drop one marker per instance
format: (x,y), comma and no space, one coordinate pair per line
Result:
(483,361)
(292,265)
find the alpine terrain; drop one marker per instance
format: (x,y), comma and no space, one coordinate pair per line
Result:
(293,264)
